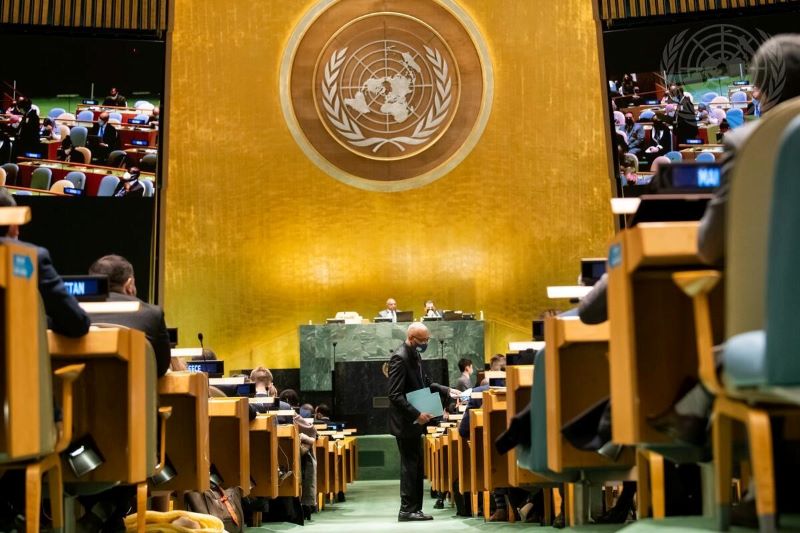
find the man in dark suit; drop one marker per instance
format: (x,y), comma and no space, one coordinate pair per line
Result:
(635,133)
(107,138)
(406,423)
(64,315)
(149,318)
(28,132)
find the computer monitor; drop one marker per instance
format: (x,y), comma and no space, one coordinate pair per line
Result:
(688,177)
(538,330)
(378,319)
(405,316)
(173,336)
(452,315)
(592,270)
(87,288)
(214,368)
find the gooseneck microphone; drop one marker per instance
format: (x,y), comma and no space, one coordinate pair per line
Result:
(202,348)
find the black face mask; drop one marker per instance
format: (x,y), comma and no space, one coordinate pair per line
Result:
(629,122)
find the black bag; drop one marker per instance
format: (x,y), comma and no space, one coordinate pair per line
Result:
(225,505)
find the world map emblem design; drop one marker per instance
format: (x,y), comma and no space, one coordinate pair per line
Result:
(388,103)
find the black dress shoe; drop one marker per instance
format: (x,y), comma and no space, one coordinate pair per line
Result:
(688,429)
(439,504)
(413,517)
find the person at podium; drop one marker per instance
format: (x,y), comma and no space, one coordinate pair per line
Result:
(390,311)
(431,311)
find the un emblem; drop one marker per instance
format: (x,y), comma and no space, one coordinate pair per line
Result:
(387,100)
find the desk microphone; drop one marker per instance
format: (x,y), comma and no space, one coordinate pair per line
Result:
(200,338)
(441,348)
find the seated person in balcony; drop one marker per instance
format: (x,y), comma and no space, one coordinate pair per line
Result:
(129,185)
(635,133)
(154,118)
(49,130)
(115,99)
(64,315)
(660,137)
(496,364)
(28,129)
(108,137)
(149,318)
(322,413)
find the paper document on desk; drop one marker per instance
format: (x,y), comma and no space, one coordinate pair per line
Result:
(426,401)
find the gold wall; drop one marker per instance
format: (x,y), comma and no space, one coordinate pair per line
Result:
(259,240)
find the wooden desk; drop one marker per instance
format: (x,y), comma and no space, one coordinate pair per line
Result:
(111,401)
(60,169)
(463,453)
(229,428)
(264,456)
(289,458)
(452,458)
(323,469)
(577,377)
(519,382)
(128,134)
(495,466)
(690,154)
(652,347)
(188,440)
(476,460)
(126,112)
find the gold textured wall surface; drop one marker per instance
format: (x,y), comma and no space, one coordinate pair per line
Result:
(258,240)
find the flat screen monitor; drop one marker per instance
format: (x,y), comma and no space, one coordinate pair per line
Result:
(87,288)
(689,177)
(538,330)
(173,336)
(592,270)
(405,316)
(213,368)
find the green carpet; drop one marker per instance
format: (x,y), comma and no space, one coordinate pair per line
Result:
(372,506)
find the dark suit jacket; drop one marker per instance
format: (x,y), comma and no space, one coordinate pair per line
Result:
(593,308)
(136,190)
(29,131)
(406,375)
(636,138)
(64,315)
(110,135)
(149,319)
(711,235)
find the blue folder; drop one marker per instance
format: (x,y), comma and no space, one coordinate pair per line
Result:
(426,401)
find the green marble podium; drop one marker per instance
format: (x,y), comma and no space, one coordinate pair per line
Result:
(374,342)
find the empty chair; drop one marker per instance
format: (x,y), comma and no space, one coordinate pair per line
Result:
(619,119)
(149,189)
(107,186)
(117,116)
(66,116)
(646,115)
(142,116)
(717,115)
(60,185)
(87,154)
(56,112)
(709,97)
(674,156)
(78,136)
(735,118)
(144,104)
(739,99)
(705,157)
(40,179)
(11,170)
(148,163)
(719,101)
(78,179)
(86,115)
(63,130)
(114,121)
(116,159)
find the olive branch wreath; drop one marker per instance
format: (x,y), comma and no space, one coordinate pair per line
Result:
(349,129)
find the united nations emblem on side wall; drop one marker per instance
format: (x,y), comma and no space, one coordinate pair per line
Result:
(387,95)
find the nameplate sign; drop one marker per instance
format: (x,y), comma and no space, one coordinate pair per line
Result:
(109,307)
(226,381)
(261,400)
(570,292)
(526,345)
(186,352)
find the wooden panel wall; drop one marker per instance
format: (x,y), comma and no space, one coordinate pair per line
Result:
(135,15)
(621,9)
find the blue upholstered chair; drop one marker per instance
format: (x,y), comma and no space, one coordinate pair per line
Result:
(142,117)
(148,163)
(40,179)
(647,115)
(11,173)
(115,116)
(116,159)
(107,186)
(674,156)
(149,189)
(78,179)
(708,97)
(56,112)
(86,116)
(705,157)
(739,99)
(761,370)
(78,136)
(735,118)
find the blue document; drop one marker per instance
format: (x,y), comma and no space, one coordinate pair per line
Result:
(426,401)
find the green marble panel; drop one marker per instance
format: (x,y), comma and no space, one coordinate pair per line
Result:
(374,342)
